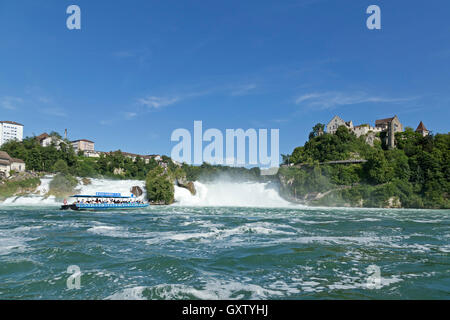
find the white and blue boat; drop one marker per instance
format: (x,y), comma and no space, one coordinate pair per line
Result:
(104,201)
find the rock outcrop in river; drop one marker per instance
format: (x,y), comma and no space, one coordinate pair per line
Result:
(137,191)
(184,183)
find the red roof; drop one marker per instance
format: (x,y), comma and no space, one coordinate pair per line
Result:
(12,122)
(421,127)
(42,136)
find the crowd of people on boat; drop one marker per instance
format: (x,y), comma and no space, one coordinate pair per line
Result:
(108,201)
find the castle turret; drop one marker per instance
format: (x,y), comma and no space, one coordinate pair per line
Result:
(391,135)
(422,129)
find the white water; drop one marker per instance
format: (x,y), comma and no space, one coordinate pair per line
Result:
(97,185)
(230,194)
(39,198)
(116,186)
(246,194)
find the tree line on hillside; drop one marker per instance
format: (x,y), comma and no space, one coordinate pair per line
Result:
(43,159)
(62,161)
(416,172)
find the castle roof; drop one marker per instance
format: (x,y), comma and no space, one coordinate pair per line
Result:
(336,116)
(421,127)
(383,121)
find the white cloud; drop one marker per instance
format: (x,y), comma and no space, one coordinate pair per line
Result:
(130,115)
(157,102)
(54,111)
(106,122)
(10,103)
(306,97)
(244,89)
(139,55)
(330,100)
(45,100)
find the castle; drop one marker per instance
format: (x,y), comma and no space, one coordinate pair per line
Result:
(388,125)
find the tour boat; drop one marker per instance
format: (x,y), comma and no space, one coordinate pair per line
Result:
(103,201)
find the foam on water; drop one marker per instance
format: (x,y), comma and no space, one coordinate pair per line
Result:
(210,289)
(109,231)
(15,240)
(214,233)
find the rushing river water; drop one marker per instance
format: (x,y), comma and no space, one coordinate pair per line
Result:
(182,252)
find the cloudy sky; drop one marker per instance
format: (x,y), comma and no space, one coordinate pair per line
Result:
(137,70)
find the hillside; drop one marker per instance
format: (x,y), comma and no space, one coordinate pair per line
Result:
(416,174)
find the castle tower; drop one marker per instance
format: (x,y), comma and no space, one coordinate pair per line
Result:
(391,135)
(422,129)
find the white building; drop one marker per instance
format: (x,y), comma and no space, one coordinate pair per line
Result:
(336,122)
(83,145)
(133,156)
(8,164)
(46,140)
(10,130)
(365,129)
(388,125)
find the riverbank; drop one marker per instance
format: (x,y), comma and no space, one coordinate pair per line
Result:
(19,184)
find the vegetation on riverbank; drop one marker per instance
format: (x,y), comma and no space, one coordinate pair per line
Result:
(17,187)
(416,174)
(62,186)
(113,165)
(207,172)
(159,186)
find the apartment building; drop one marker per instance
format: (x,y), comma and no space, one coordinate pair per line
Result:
(10,130)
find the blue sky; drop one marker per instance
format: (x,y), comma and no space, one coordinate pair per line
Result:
(137,70)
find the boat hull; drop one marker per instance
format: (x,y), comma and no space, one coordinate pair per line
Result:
(69,207)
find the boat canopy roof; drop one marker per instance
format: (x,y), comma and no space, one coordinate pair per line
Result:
(103,195)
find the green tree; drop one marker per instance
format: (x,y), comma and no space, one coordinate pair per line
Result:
(60,166)
(378,169)
(62,185)
(318,129)
(159,187)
